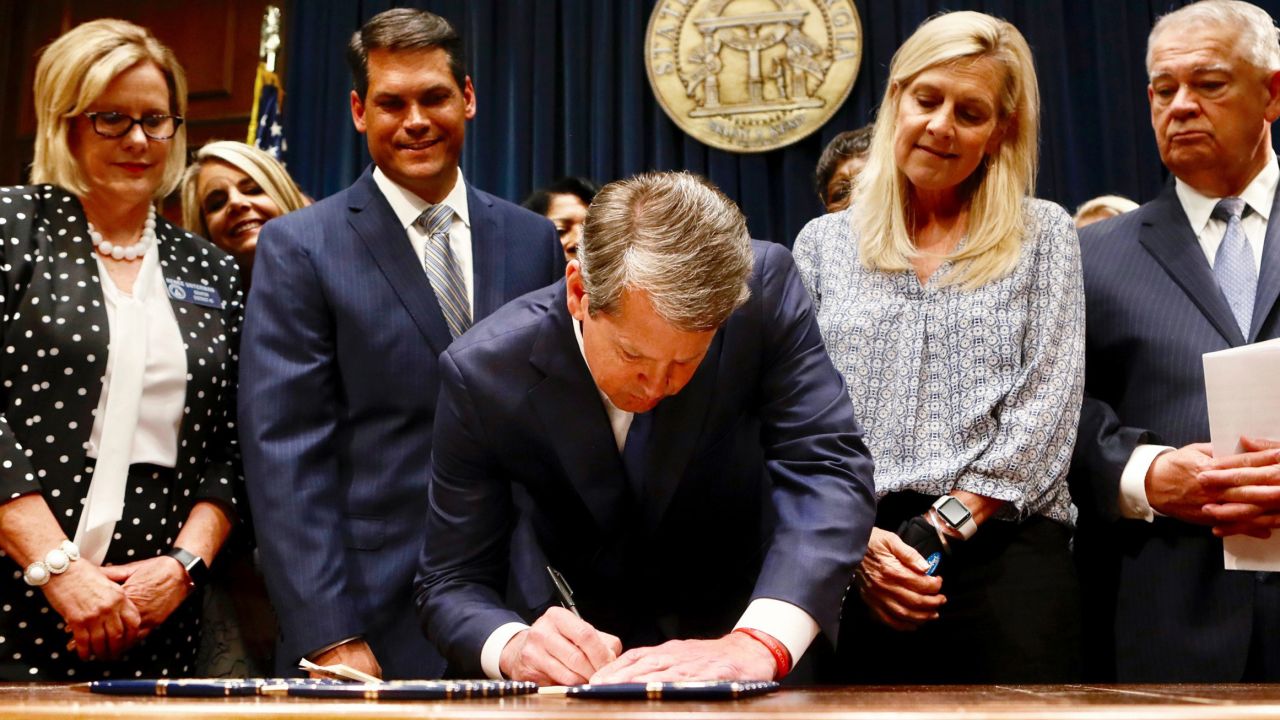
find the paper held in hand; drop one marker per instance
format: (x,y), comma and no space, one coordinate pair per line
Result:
(337,672)
(1242,386)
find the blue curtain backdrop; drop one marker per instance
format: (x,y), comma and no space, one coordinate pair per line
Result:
(561,90)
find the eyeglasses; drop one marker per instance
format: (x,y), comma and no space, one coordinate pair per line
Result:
(114,124)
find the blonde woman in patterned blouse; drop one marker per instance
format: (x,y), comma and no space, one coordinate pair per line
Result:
(951,301)
(120,465)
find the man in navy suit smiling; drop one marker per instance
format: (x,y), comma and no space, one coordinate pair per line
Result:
(1193,271)
(354,298)
(671,428)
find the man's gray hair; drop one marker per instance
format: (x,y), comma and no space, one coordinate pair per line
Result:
(1257,36)
(674,236)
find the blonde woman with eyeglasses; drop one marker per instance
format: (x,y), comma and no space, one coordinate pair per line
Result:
(120,467)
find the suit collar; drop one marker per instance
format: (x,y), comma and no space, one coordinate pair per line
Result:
(1263,196)
(374,222)
(677,426)
(1269,276)
(408,206)
(1258,196)
(489,245)
(570,404)
(1166,234)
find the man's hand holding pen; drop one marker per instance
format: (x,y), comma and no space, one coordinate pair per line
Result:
(559,649)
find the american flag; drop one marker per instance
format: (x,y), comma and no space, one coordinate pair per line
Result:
(266,130)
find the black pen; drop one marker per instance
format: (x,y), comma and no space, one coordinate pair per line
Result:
(563,590)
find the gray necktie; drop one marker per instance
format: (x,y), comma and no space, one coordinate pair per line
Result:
(1233,265)
(442,268)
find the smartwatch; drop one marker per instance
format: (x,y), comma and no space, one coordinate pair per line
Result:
(195,566)
(956,516)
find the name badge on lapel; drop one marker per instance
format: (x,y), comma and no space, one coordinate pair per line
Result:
(193,293)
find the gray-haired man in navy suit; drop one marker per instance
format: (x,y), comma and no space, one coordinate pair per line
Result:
(354,298)
(1193,271)
(671,425)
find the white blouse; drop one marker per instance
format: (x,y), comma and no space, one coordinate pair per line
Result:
(164,381)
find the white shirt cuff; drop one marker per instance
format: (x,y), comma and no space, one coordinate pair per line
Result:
(1133,482)
(491,653)
(790,625)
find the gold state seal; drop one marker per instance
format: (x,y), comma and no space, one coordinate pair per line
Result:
(752,75)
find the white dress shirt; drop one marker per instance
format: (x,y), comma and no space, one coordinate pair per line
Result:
(789,624)
(1258,197)
(408,206)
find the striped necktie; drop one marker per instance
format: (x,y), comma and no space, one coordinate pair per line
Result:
(1233,265)
(442,268)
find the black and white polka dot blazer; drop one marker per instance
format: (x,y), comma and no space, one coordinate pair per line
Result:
(54,354)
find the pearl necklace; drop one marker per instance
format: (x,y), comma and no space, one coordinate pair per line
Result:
(130,252)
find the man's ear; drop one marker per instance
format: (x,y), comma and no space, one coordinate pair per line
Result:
(468,98)
(575,291)
(357,112)
(1273,100)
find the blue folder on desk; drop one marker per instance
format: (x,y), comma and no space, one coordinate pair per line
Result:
(316,688)
(415,689)
(201,687)
(716,690)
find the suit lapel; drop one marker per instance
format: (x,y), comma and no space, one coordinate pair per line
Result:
(1166,234)
(1269,277)
(203,328)
(568,401)
(676,429)
(377,226)
(488,255)
(78,282)
(570,408)
(85,288)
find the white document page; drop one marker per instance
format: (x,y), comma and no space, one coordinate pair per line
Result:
(1243,390)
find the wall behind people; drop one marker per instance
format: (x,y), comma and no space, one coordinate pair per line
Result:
(215,40)
(564,91)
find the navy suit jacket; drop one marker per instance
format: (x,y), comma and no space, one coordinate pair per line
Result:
(1153,308)
(760,482)
(338,390)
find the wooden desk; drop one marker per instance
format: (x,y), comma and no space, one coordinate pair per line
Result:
(1033,702)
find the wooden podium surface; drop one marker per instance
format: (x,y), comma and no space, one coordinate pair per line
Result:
(1034,702)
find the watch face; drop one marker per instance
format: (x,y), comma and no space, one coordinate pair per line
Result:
(954,512)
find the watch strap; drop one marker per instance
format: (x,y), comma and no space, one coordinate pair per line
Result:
(197,569)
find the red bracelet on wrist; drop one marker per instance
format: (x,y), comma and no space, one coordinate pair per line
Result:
(781,655)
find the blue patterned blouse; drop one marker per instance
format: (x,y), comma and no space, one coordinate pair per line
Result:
(960,389)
